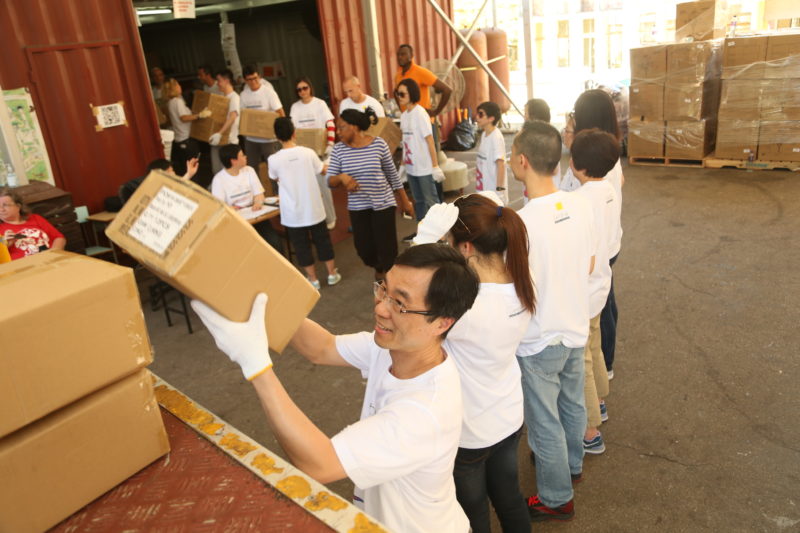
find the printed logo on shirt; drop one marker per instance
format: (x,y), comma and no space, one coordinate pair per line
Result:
(406,154)
(478,179)
(561,214)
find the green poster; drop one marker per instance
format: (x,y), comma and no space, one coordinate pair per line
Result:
(28,135)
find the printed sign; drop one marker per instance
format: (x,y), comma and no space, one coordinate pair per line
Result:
(162,220)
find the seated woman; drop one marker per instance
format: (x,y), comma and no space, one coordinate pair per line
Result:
(25,233)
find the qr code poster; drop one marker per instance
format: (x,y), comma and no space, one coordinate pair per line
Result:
(109,116)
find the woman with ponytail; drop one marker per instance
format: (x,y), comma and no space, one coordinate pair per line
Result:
(483,345)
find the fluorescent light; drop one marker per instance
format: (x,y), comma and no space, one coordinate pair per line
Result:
(153,11)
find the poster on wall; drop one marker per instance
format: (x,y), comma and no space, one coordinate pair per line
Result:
(24,126)
(183,9)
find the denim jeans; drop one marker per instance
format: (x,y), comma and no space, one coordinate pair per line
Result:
(491,474)
(552,384)
(423,188)
(608,323)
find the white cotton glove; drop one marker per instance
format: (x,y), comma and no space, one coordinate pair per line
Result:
(493,196)
(328,150)
(205,113)
(438,175)
(244,342)
(215,139)
(437,222)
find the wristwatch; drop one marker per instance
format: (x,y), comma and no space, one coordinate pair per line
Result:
(500,188)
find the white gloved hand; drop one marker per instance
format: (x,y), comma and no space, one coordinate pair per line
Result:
(205,113)
(328,150)
(438,175)
(437,222)
(215,139)
(493,196)
(245,343)
(503,195)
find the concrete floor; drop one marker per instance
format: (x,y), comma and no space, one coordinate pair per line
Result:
(703,432)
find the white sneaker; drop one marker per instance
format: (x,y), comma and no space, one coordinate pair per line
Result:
(334,278)
(610,375)
(314,283)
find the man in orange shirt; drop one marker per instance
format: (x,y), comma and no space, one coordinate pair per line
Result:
(424,78)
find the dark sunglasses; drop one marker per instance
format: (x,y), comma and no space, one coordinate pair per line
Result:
(303,88)
(398,93)
(481,114)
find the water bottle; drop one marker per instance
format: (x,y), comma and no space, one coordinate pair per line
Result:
(11,176)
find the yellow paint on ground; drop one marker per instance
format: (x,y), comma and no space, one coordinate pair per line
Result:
(365,525)
(294,487)
(211,429)
(266,464)
(182,407)
(236,445)
(325,500)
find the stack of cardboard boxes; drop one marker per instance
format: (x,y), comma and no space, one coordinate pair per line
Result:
(77,410)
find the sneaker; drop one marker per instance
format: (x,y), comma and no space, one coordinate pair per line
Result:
(595,446)
(540,512)
(409,238)
(603,412)
(315,283)
(334,278)
(610,375)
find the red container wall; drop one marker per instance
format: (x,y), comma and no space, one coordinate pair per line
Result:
(73,54)
(410,21)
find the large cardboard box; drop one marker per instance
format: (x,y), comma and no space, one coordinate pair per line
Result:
(645,139)
(700,21)
(257,123)
(741,99)
(387,130)
(206,250)
(690,139)
(647,101)
(55,466)
(71,325)
(783,56)
(693,62)
(737,139)
(779,141)
(691,101)
(781,99)
(743,57)
(203,128)
(649,64)
(314,138)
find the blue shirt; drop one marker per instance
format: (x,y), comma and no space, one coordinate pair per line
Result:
(373,169)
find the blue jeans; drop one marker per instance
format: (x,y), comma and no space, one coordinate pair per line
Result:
(608,324)
(491,473)
(423,188)
(555,413)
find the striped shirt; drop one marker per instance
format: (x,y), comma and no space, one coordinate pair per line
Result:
(373,169)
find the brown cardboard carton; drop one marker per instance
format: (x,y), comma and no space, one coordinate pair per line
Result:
(206,250)
(779,141)
(700,21)
(55,466)
(693,62)
(781,99)
(783,56)
(649,64)
(691,101)
(741,99)
(203,128)
(737,139)
(689,139)
(314,138)
(71,325)
(743,57)
(387,130)
(647,101)
(257,123)
(645,139)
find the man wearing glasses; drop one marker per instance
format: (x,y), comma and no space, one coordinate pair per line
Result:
(259,94)
(400,454)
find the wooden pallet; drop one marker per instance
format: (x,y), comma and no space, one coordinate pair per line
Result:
(665,162)
(716,162)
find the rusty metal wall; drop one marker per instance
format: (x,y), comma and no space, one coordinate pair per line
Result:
(72,53)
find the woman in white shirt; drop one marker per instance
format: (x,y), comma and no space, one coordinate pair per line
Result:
(181,118)
(483,344)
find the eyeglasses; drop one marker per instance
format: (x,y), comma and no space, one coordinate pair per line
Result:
(480,114)
(398,93)
(303,88)
(379,290)
(251,78)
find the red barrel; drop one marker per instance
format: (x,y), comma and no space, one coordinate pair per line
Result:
(497,46)
(476,81)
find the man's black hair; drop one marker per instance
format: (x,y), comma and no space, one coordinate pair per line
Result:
(227,74)
(228,153)
(159,164)
(284,128)
(595,152)
(540,143)
(249,70)
(410,48)
(492,110)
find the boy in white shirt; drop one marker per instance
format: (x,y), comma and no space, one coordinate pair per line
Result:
(400,454)
(231,125)
(295,168)
(594,154)
(562,248)
(262,97)
(490,165)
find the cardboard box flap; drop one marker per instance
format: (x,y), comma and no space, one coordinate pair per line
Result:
(387,130)
(203,128)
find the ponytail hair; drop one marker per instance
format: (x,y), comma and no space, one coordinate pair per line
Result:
(361,120)
(494,229)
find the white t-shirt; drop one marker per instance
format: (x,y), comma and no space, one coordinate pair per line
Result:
(491,149)
(556,181)
(369,101)
(603,199)
(213,89)
(237,191)
(400,454)
(562,242)
(568,182)
(177,108)
(313,115)
(614,177)
(483,345)
(233,105)
(296,170)
(263,99)
(416,126)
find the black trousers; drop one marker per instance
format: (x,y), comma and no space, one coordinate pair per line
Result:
(375,237)
(182,152)
(301,239)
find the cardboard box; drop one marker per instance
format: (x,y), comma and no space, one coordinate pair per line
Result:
(645,139)
(779,141)
(257,123)
(647,101)
(203,128)
(57,465)
(690,139)
(649,64)
(314,138)
(780,100)
(71,325)
(206,250)
(741,99)
(387,130)
(737,139)
(700,21)
(743,57)
(691,101)
(783,56)
(693,62)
